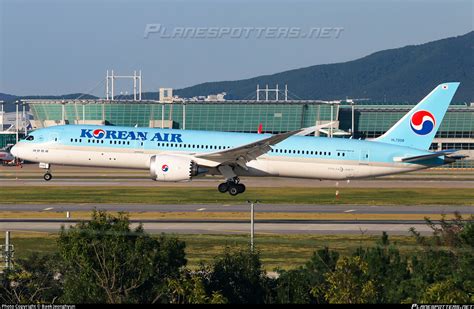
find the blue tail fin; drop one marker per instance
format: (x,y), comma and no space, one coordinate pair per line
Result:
(417,129)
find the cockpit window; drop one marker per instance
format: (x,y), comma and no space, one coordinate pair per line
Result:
(29,138)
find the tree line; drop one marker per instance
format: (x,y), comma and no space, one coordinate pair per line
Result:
(104,260)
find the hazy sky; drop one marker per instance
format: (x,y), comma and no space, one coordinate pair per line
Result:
(65,46)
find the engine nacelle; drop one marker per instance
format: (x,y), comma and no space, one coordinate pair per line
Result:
(173,168)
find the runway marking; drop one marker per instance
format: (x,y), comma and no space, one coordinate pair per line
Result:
(200,209)
(49,208)
(350,210)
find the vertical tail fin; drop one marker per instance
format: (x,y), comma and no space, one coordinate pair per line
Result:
(418,127)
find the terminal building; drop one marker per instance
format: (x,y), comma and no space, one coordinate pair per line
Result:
(350,119)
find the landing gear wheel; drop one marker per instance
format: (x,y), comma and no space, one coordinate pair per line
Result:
(223,187)
(48,176)
(233,190)
(241,187)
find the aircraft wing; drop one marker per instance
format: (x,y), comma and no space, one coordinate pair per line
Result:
(426,156)
(242,154)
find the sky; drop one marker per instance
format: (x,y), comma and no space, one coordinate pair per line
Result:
(65,46)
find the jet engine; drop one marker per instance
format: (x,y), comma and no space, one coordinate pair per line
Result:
(173,168)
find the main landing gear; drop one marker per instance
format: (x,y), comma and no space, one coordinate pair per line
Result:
(233,186)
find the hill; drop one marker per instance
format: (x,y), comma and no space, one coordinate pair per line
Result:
(10,99)
(396,75)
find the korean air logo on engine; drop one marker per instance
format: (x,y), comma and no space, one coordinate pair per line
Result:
(165,168)
(99,133)
(422,122)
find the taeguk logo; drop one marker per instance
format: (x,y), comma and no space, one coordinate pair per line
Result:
(165,168)
(98,133)
(422,122)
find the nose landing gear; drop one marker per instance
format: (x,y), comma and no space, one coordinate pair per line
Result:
(233,186)
(47,176)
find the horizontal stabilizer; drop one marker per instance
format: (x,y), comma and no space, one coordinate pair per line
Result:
(313,129)
(426,156)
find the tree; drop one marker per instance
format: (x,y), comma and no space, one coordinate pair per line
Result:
(445,261)
(237,275)
(445,292)
(350,283)
(107,262)
(189,289)
(35,279)
(388,269)
(455,233)
(306,284)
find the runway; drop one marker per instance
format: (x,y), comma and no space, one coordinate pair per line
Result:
(323,228)
(203,225)
(250,182)
(31,175)
(307,223)
(263,208)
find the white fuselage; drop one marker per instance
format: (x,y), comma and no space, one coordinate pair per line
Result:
(353,166)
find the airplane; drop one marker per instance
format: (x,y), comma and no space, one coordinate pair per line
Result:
(181,155)
(5,155)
